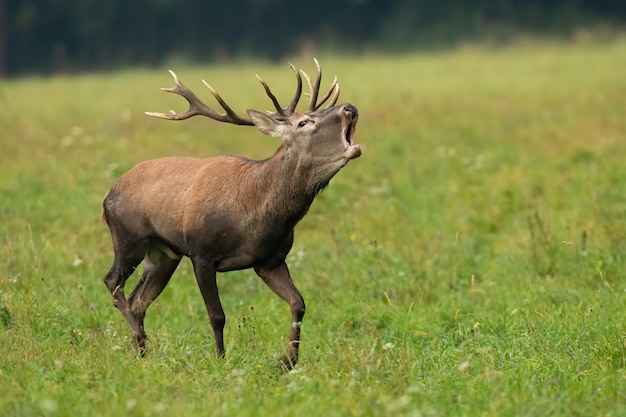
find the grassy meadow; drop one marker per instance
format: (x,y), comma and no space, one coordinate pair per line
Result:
(470,263)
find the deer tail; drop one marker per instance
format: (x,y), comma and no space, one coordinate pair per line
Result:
(104,214)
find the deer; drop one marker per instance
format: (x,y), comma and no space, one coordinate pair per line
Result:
(227,213)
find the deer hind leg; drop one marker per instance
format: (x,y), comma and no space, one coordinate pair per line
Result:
(205,276)
(279,281)
(160,262)
(127,258)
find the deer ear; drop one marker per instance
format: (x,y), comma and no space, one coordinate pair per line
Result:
(266,124)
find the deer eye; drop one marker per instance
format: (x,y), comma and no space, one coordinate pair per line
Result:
(302,123)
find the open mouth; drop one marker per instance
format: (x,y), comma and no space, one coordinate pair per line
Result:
(349,135)
(351,150)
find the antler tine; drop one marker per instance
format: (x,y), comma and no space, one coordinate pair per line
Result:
(333,101)
(294,102)
(272,97)
(318,83)
(313,90)
(334,88)
(198,108)
(230,115)
(287,111)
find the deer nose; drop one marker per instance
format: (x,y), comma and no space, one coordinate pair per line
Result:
(350,111)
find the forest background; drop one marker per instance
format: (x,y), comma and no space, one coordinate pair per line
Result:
(70,36)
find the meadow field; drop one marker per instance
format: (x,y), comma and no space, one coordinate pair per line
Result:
(470,263)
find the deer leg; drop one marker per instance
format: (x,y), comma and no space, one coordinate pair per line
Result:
(158,269)
(206,278)
(279,281)
(126,260)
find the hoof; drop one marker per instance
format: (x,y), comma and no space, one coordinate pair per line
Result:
(140,345)
(286,363)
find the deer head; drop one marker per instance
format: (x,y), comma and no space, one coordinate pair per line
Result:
(295,129)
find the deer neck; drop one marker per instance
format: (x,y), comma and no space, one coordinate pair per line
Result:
(290,182)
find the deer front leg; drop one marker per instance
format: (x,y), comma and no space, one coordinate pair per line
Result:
(205,276)
(279,281)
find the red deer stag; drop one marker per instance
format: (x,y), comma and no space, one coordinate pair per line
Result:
(228,212)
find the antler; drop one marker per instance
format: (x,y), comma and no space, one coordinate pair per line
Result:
(198,108)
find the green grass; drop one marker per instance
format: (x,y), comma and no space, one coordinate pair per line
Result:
(471,262)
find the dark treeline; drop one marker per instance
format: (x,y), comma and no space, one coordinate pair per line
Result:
(44,36)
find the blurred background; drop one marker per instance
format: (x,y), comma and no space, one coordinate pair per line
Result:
(52,36)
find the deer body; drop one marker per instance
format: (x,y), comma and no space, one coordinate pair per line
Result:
(228,212)
(232,208)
